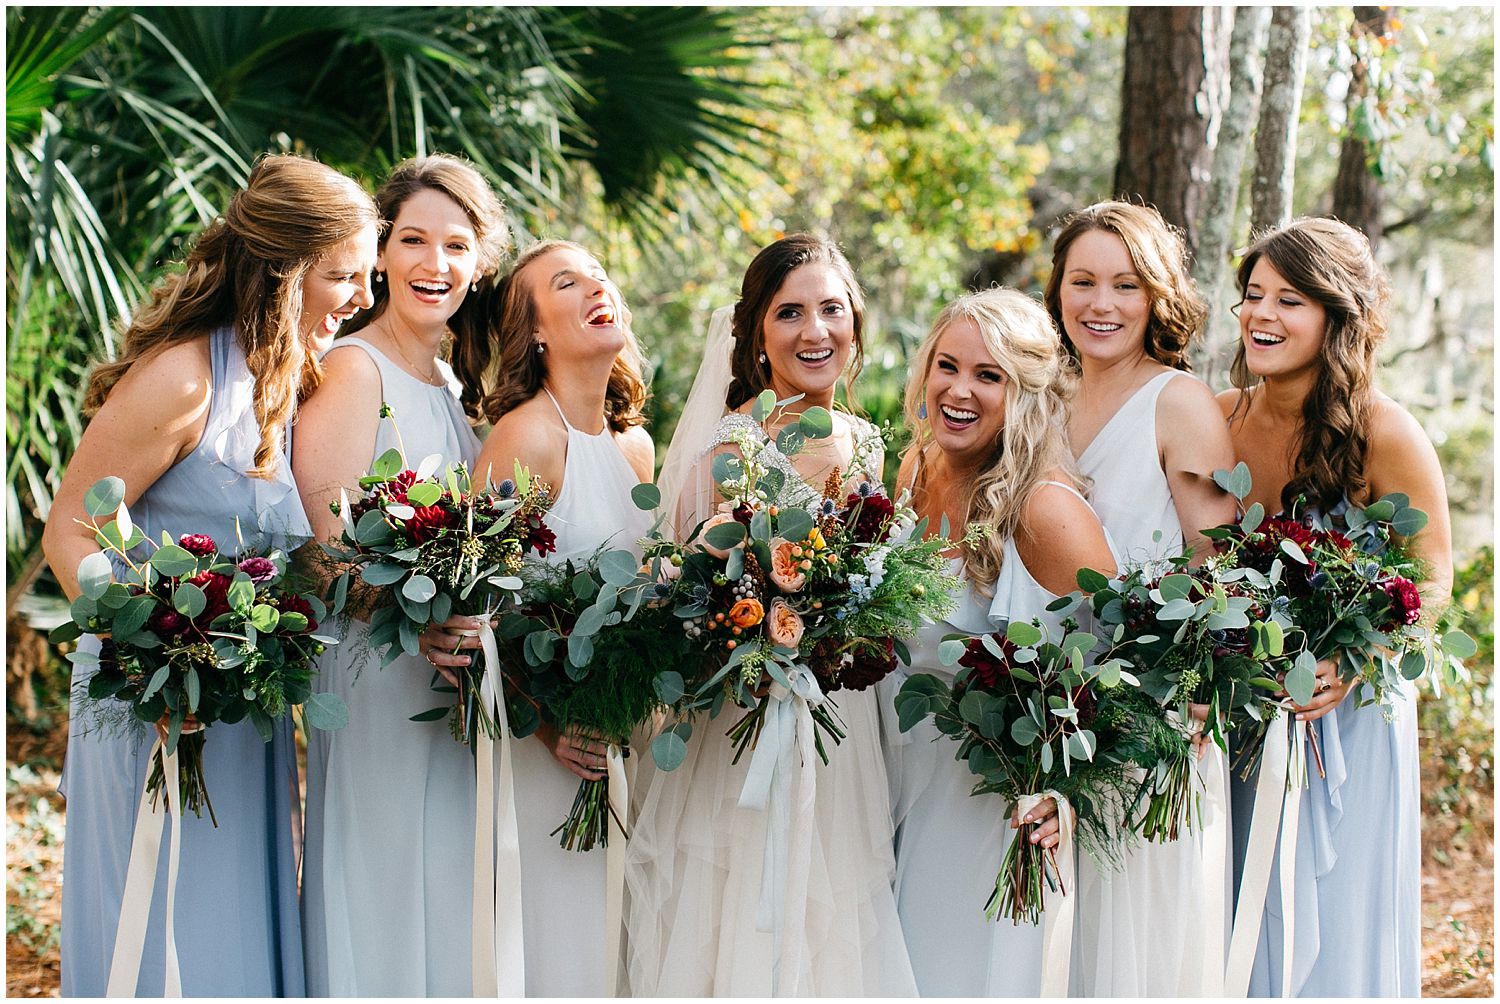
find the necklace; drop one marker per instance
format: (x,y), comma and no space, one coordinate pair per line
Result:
(433,378)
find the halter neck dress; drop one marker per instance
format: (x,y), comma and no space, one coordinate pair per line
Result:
(237,926)
(390,802)
(562,891)
(1158,925)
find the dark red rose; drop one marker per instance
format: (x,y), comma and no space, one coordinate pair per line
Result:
(167,623)
(872,515)
(985,670)
(200,544)
(538,537)
(216,589)
(428,521)
(259,569)
(297,605)
(1406,602)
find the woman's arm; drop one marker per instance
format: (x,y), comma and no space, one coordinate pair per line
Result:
(528,434)
(1060,534)
(1193,441)
(152,418)
(1402,459)
(335,436)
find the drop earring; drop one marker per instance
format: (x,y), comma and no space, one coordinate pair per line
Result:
(762,358)
(380,277)
(541,347)
(922,410)
(474,286)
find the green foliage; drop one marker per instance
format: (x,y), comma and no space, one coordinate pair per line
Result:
(1457,724)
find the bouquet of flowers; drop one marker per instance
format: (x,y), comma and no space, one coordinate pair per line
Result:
(437,546)
(771,589)
(194,637)
(1032,718)
(592,648)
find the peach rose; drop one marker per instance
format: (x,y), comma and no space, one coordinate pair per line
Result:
(784,626)
(786,572)
(746,613)
(717,519)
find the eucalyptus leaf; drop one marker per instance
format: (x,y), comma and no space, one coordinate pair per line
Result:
(1460,645)
(173,561)
(950,651)
(388,464)
(668,750)
(380,574)
(104,497)
(1022,634)
(328,711)
(190,601)
(419,589)
(794,524)
(816,423)
(646,496)
(1408,521)
(95,573)
(1254,517)
(423,493)
(618,568)
(1236,482)
(1091,580)
(725,535)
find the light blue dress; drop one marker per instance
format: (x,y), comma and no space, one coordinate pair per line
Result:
(1358,893)
(237,924)
(388,876)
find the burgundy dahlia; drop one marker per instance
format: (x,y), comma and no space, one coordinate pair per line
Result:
(1406,602)
(167,623)
(872,663)
(538,537)
(200,544)
(216,589)
(427,522)
(872,516)
(984,669)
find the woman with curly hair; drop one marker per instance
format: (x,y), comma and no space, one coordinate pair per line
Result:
(988,400)
(566,404)
(1146,432)
(1317,434)
(390,802)
(195,417)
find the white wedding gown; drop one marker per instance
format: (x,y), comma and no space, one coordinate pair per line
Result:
(694,866)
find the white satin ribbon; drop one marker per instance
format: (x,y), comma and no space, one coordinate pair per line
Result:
(499,958)
(1213,831)
(1278,800)
(786,736)
(1057,904)
(614,867)
(140,882)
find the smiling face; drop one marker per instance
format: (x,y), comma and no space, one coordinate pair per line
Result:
(965,395)
(336,288)
(579,311)
(1281,328)
(431,256)
(1105,307)
(809,333)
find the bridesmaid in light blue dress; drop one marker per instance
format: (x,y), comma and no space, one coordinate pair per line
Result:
(389,872)
(567,406)
(1309,423)
(988,399)
(176,417)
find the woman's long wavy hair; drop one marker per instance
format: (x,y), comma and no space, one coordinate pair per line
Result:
(763,280)
(1330,263)
(1161,260)
(518,368)
(1040,381)
(246,269)
(460,181)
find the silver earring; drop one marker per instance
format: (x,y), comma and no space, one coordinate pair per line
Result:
(922,410)
(474,286)
(380,277)
(762,357)
(541,347)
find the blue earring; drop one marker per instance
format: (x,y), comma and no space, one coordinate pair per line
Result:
(922,410)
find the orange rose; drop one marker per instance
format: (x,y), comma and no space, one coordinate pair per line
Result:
(786,572)
(784,627)
(746,613)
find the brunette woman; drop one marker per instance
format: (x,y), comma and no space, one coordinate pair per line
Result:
(390,806)
(194,416)
(1318,436)
(566,404)
(1145,431)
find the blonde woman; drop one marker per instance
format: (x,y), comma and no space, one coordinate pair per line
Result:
(988,400)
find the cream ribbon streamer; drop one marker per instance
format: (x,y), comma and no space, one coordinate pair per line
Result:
(1057,904)
(614,867)
(1278,800)
(499,958)
(140,881)
(786,738)
(1213,830)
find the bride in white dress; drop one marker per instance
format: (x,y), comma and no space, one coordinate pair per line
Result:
(1150,437)
(694,864)
(567,405)
(988,400)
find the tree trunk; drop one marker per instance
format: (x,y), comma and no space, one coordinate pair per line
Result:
(1173,91)
(1356,189)
(1221,201)
(1276,132)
